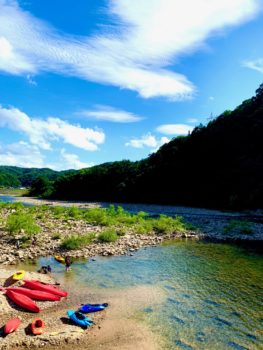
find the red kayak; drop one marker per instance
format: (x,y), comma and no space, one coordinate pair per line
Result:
(35,294)
(23,301)
(37,326)
(49,288)
(12,325)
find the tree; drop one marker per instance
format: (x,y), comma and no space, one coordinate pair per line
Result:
(41,187)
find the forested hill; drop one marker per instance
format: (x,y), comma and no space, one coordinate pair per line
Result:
(12,176)
(218,165)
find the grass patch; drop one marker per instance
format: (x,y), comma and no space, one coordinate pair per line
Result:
(14,191)
(73,212)
(22,223)
(58,212)
(76,242)
(238,226)
(109,235)
(56,236)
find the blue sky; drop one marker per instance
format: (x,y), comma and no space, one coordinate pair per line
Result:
(86,82)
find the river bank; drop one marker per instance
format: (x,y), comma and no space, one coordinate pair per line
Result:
(208,224)
(113,329)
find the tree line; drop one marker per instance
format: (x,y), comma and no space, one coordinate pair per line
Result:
(218,165)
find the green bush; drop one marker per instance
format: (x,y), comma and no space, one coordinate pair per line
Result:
(73,212)
(76,242)
(99,216)
(166,224)
(143,228)
(22,221)
(109,235)
(58,211)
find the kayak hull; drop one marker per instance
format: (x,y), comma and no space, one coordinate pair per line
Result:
(19,275)
(12,325)
(92,307)
(84,322)
(36,285)
(60,259)
(22,300)
(37,326)
(36,294)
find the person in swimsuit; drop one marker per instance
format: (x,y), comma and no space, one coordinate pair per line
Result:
(68,262)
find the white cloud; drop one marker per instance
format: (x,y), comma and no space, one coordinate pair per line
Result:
(147,140)
(26,155)
(71,161)
(134,54)
(174,129)
(211,98)
(42,132)
(256,64)
(111,114)
(21,154)
(192,120)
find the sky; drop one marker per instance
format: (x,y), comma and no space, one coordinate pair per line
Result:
(88,82)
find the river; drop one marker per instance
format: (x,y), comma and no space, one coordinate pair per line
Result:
(212,292)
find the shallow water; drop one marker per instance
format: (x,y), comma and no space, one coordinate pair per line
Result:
(213,292)
(7,199)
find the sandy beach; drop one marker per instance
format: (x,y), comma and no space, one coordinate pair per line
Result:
(114,328)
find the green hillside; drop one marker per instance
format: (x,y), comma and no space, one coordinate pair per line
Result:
(218,165)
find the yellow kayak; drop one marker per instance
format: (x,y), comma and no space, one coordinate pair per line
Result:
(60,259)
(19,275)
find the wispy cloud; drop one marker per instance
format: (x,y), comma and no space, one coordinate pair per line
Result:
(21,154)
(111,114)
(174,129)
(42,132)
(147,140)
(255,64)
(192,120)
(134,54)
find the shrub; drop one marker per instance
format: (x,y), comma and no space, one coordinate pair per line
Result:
(97,216)
(58,211)
(22,221)
(143,228)
(73,212)
(109,235)
(165,224)
(75,242)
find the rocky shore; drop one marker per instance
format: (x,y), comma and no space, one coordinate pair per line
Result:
(209,224)
(48,242)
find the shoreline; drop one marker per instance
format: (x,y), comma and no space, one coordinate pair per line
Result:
(209,229)
(114,328)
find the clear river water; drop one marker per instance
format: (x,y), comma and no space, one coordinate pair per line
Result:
(213,292)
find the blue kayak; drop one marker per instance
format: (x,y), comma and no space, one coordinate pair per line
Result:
(92,307)
(79,319)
